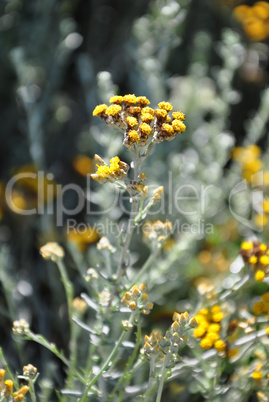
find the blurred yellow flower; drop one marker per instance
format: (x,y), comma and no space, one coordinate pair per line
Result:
(248,159)
(83,165)
(255,20)
(260,220)
(83,238)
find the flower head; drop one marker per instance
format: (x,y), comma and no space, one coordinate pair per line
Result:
(113,110)
(20,327)
(99,110)
(52,251)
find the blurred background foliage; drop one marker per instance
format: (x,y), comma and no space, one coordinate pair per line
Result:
(58,60)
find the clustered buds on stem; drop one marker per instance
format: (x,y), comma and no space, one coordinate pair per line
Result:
(137,299)
(52,251)
(117,170)
(157,230)
(141,123)
(158,346)
(20,327)
(256,255)
(7,388)
(209,328)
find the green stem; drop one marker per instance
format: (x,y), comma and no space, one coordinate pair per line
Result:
(3,360)
(52,348)
(105,366)
(145,267)
(161,384)
(238,286)
(125,378)
(73,333)
(128,236)
(32,390)
(151,377)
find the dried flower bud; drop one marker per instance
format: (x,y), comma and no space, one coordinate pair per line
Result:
(52,251)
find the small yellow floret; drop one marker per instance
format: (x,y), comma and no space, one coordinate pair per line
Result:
(257,375)
(265,297)
(142,101)
(99,109)
(220,345)
(160,113)
(130,99)
(247,245)
(135,291)
(206,343)
(214,327)
(116,99)
(259,276)
(214,336)
(217,317)
(263,247)
(165,106)
(267,331)
(264,260)
(266,206)
(147,117)
(260,220)
(143,287)
(131,121)
(168,129)
(132,305)
(178,116)
(134,136)
(253,259)
(257,308)
(23,390)
(215,309)
(178,126)
(146,110)
(103,171)
(144,297)
(8,390)
(114,164)
(145,128)
(199,331)
(204,311)
(113,110)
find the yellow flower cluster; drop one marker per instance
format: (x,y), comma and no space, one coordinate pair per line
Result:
(83,238)
(117,170)
(104,244)
(262,218)
(158,346)
(262,306)
(52,251)
(256,254)
(261,377)
(209,327)
(137,299)
(20,327)
(255,19)
(83,165)
(7,391)
(79,305)
(30,371)
(141,124)
(252,171)
(248,159)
